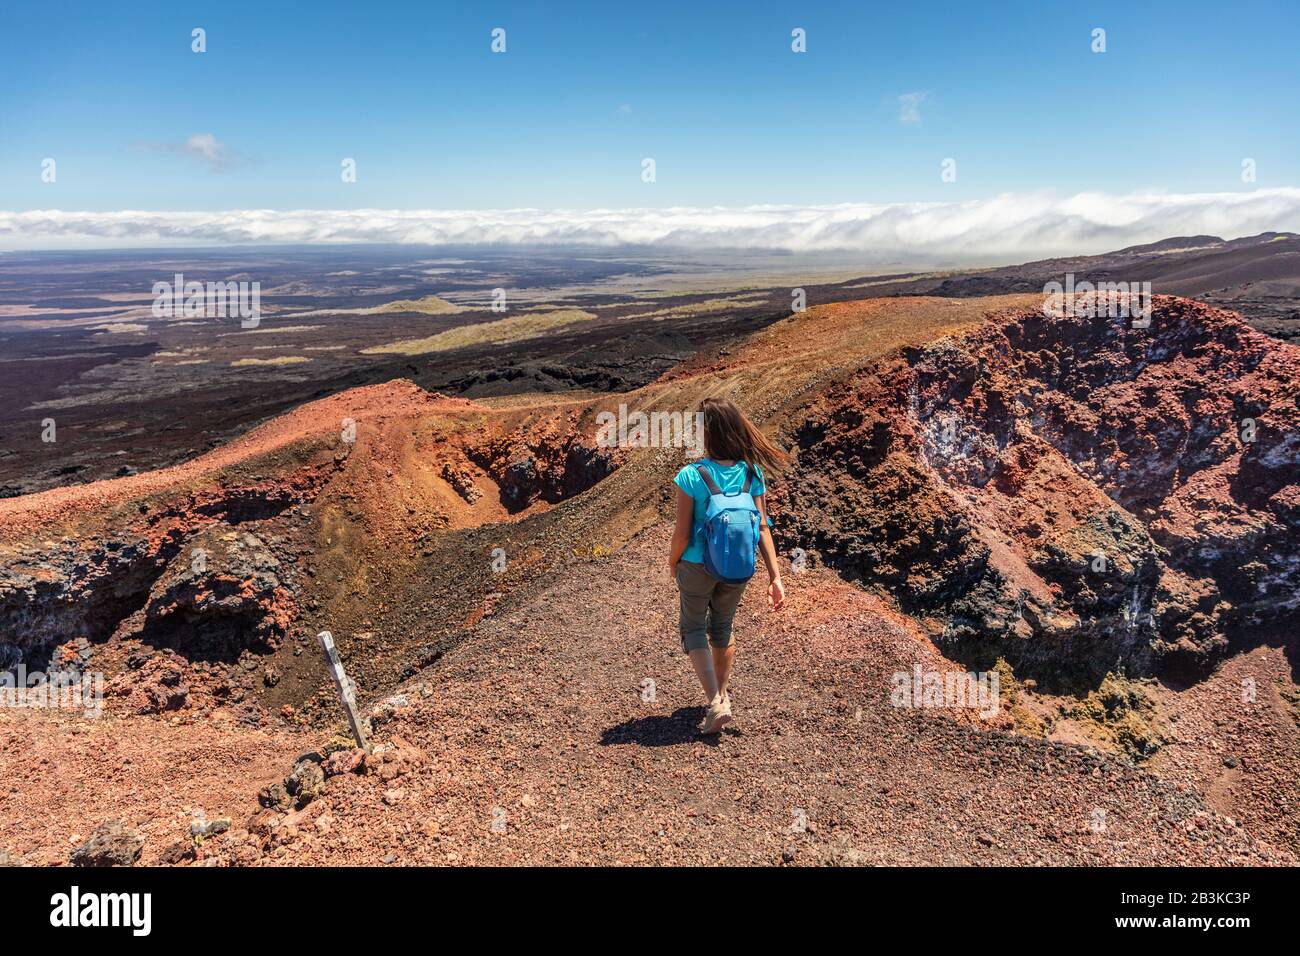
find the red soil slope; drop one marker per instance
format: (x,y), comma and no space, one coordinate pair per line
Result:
(964,469)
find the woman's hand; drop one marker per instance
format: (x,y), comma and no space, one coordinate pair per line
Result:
(672,569)
(776,593)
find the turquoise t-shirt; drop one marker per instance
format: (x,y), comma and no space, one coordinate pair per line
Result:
(729,479)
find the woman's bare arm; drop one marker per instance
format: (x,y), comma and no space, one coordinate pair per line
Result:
(767,548)
(681,530)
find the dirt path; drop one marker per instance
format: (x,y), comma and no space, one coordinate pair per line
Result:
(540,749)
(537,725)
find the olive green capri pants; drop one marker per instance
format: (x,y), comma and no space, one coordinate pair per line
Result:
(708,606)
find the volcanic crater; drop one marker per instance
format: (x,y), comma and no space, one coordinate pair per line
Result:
(1072,499)
(1074,495)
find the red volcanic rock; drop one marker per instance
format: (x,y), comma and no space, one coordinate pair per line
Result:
(1068,492)
(159,685)
(461,480)
(549,462)
(220,596)
(343,761)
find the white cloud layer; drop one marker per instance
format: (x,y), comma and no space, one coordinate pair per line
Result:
(1005,228)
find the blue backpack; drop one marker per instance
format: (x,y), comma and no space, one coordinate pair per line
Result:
(731,531)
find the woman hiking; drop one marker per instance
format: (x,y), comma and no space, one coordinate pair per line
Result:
(721,522)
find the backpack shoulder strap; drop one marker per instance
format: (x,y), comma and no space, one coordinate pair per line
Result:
(749,478)
(708,480)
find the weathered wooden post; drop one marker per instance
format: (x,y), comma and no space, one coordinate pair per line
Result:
(345,688)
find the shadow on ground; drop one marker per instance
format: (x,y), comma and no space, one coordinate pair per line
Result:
(662,730)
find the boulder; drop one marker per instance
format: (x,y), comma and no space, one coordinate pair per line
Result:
(110,844)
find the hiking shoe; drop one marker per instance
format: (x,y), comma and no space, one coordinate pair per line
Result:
(715,719)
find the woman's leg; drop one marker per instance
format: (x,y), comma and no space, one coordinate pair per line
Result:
(696,588)
(722,612)
(722,658)
(702,661)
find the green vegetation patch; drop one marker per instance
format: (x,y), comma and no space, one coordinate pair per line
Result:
(1124,710)
(513,329)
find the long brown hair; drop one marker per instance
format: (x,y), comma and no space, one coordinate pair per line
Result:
(730,436)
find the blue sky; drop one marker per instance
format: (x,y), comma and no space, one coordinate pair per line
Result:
(711,91)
